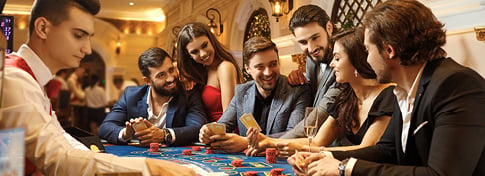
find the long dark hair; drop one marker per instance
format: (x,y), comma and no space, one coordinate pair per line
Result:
(346,101)
(187,66)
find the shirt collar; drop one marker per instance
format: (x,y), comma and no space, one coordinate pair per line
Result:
(40,70)
(401,93)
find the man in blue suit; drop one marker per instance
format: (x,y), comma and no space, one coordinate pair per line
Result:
(171,115)
(275,104)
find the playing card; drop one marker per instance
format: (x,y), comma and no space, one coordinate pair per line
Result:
(139,125)
(249,121)
(218,129)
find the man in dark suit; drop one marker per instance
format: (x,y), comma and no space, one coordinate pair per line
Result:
(275,104)
(440,124)
(171,115)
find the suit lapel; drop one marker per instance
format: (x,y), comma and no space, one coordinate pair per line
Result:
(142,106)
(249,100)
(276,104)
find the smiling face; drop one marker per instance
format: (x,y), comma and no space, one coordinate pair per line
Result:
(377,60)
(67,43)
(201,50)
(344,70)
(264,68)
(163,79)
(314,40)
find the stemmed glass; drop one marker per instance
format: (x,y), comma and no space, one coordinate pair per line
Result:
(310,125)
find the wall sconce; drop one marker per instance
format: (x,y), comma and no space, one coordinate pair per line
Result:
(480,33)
(212,25)
(280,7)
(118,46)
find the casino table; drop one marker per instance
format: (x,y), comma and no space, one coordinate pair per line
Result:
(218,163)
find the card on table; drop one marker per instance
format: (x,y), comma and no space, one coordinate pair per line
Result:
(218,129)
(249,121)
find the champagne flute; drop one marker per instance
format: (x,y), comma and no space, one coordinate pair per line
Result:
(310,124)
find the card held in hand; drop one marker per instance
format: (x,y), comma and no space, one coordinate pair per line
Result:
(218,129)
(249,121)
(139,125)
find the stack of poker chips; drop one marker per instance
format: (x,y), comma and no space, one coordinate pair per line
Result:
(153,147)
(196,149)
(250,173)
(271,155)
(209,151)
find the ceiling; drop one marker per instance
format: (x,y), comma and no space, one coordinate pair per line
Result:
(142,10)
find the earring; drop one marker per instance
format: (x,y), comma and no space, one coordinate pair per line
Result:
(355,73)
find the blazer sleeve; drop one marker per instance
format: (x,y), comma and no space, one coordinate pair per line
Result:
(114,122)
(327,100)
(194,120)
(302,101)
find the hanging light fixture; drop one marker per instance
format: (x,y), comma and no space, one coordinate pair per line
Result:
(280,7)
(211,15)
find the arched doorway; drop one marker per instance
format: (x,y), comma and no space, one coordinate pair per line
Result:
(257,26)
(94,65)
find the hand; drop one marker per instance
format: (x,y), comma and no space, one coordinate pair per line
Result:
(258,142)
(286,149)
(296,77)
(204,135)
(324,166)
(229,142)
(161,167)
(188,84)
(152,134)
(298,163)
(129,131)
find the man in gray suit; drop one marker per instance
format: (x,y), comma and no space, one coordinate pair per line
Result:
(313,29)
(275,104)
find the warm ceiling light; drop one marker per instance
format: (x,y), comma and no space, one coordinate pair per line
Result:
(132,3)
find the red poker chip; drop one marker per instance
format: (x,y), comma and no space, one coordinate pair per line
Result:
(237,162)
(196,149)
(187,152)
(209,151)
(276,171)
(250,173)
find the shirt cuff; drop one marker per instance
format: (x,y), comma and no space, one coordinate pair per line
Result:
(350,166)
(173,135)
(327,154)
(120,135)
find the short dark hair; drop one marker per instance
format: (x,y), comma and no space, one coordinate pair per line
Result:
(57,11)
(410,27)
(308,14)
(257,44)
(152,57)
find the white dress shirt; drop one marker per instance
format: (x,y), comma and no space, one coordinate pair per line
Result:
(95,97)
(25,105)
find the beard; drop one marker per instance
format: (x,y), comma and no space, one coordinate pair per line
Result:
(160,91)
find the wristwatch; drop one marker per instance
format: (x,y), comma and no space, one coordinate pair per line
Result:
(341,167)
(168,136)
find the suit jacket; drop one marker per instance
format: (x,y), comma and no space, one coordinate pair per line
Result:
(287,107)
(185,114)
(446,132)
(323,96)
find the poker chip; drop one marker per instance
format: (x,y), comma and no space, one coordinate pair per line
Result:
(271,155)
(154,147)
(187,152)
(209,151)
(276,171)
(250,173)
(196,149)
(237,162)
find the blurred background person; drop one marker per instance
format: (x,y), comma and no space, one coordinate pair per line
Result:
(95,103)
(78,98)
